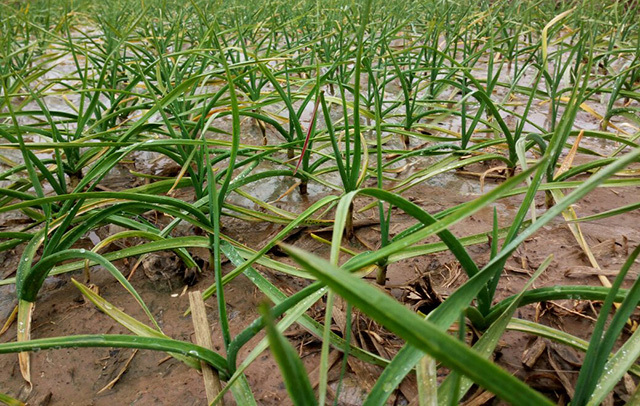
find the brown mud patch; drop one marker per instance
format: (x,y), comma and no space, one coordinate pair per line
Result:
(76,376)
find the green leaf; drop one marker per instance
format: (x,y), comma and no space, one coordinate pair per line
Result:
(487,343)
(421,333)
(445,314)
(9,401)
(127,321)
(120,341)
(618,365)
(540,330)
(293,372)
(602,342)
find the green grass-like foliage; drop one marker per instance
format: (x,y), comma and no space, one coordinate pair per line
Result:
(335,102)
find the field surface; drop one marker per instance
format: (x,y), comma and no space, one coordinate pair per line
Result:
(319,202)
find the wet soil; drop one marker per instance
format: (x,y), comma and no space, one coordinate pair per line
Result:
(76,376)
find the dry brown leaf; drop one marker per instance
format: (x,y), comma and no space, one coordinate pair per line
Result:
(562,376)
(409,387)
(24,334)
(203,338)
(568,354)
(365,372)
(629,385)
(479,400)
(531,355)
(582,271)
(115,380)
(10,320)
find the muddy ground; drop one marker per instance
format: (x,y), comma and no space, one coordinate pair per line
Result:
(78,376)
